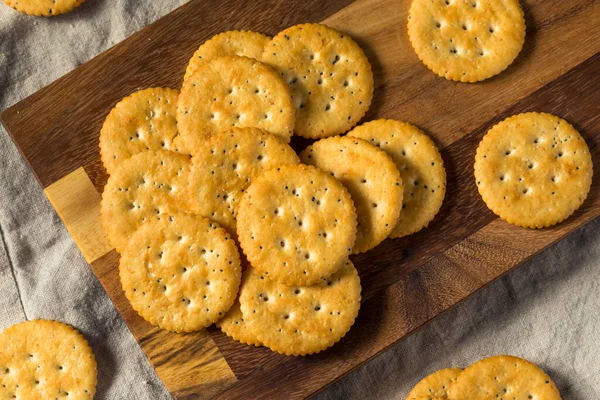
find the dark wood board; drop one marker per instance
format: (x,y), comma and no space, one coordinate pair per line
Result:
(406,282)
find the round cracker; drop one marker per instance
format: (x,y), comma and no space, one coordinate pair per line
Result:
(235,91)
(231,43)
(421,168)
(294,320)
(505,377)
(296,224)
(42,359)
(44,8)
(533,170)
(466,40)
(330,78)
(372,179)
(225,165)
(148,184)
(181,272)
(144,120)
(435,386)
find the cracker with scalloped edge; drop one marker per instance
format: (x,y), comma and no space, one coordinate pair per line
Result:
(505,377)
(429,398)
(466,40)
(180,272)
(234,326)
(421,168)
(225,165)
(533,169)
(297,321)
(231,43)
(144,120)
(296,224)
(372,179)
(233,91)
(148,184)
(233,323)
(329,74)
(43,359)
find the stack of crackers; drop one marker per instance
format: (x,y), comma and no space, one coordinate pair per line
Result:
(218,220)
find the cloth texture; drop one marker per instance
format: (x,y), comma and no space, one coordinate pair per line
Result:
(545,311)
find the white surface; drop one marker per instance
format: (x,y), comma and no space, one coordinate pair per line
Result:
(546,311)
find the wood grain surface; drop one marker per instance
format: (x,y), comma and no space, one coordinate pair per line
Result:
(77,202)
(406,282)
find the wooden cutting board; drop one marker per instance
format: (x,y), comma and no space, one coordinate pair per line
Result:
(406,282)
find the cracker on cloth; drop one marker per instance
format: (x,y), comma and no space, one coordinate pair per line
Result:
(42,359)
(435,385)
(44,8)
(503,377)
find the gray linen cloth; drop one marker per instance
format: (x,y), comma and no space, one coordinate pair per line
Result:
(546,311)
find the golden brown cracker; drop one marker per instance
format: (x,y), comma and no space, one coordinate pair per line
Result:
(42,359)
(296,224)
(148,184)
(144,120)
(533,170)
(235,91)
(421,168)
(505,377)
(180,272)
(231,43)
(225,165)
(466,40)
(435,385)
(372,179)
(294,320)
(330,77)
(234,326)
(44,8)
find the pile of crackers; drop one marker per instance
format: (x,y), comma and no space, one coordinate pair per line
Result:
(218,220)
(497,377)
